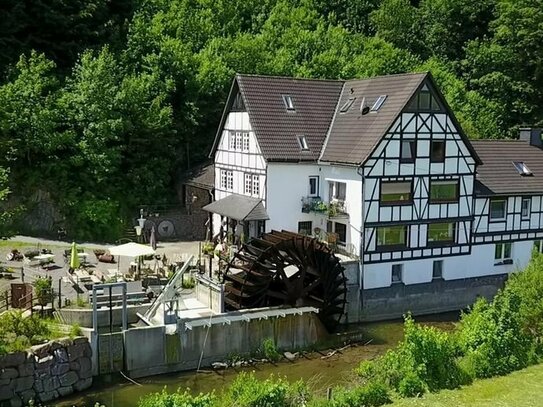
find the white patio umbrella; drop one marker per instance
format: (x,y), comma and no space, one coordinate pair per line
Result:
(131,250)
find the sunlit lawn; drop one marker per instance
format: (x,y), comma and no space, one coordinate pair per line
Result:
(519,389)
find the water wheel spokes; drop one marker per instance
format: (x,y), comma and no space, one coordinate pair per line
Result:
(287,269)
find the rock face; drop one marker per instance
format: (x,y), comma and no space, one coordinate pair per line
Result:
(46,372)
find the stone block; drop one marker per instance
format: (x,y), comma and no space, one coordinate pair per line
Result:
(80,340)
(65,390)
(65,342)
(4,382)
(12,359)
(83,384)
(75,352)
(26,369)
(38,385)
(50,384)
(41,351)
(87,351)
(68,379)
(48,396)
(45,362)
(75,366)
(60,368)
(85,364)
(61,356)
(22,383)
(55,345)
(9,373)
(27,395)
(6,393)
(16,402)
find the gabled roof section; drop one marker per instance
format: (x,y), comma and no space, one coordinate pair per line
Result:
(239,207)
(276,127)
(353,136)
(498,175)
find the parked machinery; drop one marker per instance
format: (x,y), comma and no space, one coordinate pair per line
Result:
(284,268)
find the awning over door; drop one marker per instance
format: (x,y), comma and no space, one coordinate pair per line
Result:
(239,207)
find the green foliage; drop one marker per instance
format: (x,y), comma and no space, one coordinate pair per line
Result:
(188,282)
(18,333)
(424,360)
(248,391)
(75,330)
(43,290)
(370,395)
(177,399)
(492,337)
(269,350)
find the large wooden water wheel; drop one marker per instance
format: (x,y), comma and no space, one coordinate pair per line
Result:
(284,268)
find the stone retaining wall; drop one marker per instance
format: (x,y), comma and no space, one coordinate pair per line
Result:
(46,372)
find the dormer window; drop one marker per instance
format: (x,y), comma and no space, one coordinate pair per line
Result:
(378,103)
(522,168)
(347,105)
(289,103)
(303,143)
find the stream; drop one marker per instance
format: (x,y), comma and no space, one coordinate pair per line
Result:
(317,372)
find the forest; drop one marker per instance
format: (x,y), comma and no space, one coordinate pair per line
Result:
(104,103)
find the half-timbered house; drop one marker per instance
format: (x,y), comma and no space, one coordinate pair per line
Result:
(382,169)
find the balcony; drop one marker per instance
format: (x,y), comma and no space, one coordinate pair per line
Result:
(334,209)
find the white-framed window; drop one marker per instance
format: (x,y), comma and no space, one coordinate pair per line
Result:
(337,191)
(378,103)
(441,233)
(302,141)
(394,193)
(437,270)
(245,137)
(444,191)
(392,236)
(498,208)
(227,180)
(238,141)
(256,184)
(314,185)
(289,102)
(502,253)
(522,168)
(232,140)
(526,208)
(397,273)
(408,151)
(248,182)
(437,151)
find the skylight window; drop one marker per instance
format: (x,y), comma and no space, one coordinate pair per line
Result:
(289,103)
(347,105)
(378,103)
(303,143)
(522,168)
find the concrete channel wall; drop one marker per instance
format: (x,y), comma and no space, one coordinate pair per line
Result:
(181,350)
(46,372)
(83,316)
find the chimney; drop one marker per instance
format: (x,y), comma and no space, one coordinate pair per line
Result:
(531,135)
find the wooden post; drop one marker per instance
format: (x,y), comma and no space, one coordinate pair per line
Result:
(329,393)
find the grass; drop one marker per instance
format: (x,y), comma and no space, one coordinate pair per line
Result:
(523,388)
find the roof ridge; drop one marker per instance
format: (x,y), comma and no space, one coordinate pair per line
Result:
(395,75)
(293,78)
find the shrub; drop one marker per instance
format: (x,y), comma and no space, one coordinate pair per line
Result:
(43,288)
(425,359)
(269,350)
(411,385)
(188,282)
(18,333)
(75,330)
(371,395)
(492,338)
(177,399)
(248,391)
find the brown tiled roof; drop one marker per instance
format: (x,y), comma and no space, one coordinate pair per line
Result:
(275,127)
(498,175)
(353,136)
(202,176)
